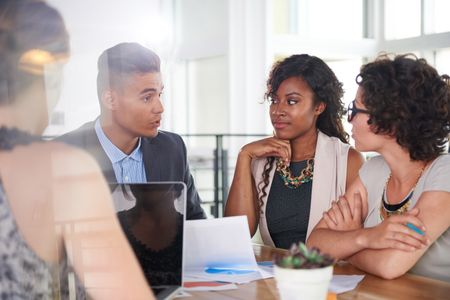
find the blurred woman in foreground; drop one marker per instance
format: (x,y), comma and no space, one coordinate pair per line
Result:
(47,188)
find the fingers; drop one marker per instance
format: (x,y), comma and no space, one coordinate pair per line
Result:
(345,208)
(329,221)
(289,152)
(357,208)
(395,238)
(394,244)
(416,234)
(335,213)
(287,146)
(287,149)
(392,233)
(330,214)
(281,148)
(268,147)
(340,218)
(404,242)
(408,218)
(285,154)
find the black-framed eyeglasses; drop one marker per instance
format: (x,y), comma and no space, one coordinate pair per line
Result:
(352,110)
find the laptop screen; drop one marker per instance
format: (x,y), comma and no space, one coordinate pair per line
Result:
(152,217)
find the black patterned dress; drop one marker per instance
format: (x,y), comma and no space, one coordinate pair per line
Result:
(23,274)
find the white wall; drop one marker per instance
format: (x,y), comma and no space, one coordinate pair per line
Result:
(216,54)
(201,28)
(208,95)
(93,27)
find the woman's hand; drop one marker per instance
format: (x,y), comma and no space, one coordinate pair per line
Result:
(341,217)
(268,147)
(394,233)
(391,233)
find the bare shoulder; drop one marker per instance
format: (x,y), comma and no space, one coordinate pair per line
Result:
(354,162)
(355,158)
(56,174)
(357,186)
(49,160)
(40,154)
(70,173)
(66,158)
(68,162)
(79,187)
(357,190)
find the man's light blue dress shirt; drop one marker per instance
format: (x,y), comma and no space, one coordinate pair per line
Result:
(127,168)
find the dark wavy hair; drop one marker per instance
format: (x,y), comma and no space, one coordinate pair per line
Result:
(117,63)
(409,100)
(326,88)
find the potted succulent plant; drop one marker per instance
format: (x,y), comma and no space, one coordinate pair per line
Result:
(303,273)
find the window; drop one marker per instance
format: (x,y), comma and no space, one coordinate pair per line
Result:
(443,61)
(402,19)
(318,18)
(437,19)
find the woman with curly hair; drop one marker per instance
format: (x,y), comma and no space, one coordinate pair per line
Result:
(395,217)
(284,183)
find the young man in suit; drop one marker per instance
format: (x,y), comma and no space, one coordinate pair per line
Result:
(125,139)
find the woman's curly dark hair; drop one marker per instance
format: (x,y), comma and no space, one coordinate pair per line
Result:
(409,100)
(326,88)
(322,81)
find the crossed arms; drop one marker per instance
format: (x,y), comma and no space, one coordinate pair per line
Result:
(388,249)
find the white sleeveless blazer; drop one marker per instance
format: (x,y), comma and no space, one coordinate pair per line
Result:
(330,174)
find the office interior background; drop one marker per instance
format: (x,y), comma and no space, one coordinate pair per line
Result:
(216,56)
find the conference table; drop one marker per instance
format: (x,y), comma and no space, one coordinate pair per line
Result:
(371,287)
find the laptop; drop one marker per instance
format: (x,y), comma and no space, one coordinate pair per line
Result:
(152,216)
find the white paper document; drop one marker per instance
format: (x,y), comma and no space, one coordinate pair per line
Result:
(344,283)
(221,250)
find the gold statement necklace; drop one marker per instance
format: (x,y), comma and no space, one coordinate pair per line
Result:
(387,210)
(293,182)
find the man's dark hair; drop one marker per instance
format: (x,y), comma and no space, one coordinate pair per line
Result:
(117,63)
(409,100)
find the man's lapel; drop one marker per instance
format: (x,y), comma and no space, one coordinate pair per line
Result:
(152,160)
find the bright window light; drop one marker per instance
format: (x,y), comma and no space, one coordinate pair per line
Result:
(402,19)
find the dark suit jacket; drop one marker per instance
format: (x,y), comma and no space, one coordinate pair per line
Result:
(164,160)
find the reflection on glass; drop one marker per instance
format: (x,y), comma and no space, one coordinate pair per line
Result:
(151,215)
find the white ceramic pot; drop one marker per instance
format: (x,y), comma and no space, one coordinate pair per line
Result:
(304,284)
